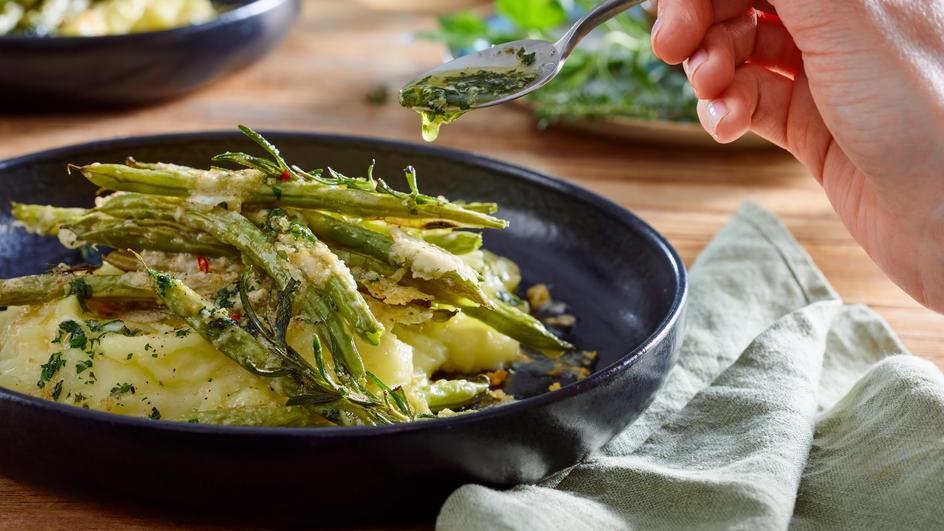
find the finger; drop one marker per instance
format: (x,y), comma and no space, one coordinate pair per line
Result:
(726,45)
(682,24)
(775,107)
(754,36)
(774,46)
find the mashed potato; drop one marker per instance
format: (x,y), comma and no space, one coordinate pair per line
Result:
(150,364)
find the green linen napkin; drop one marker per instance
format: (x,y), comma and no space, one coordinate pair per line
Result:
(786,409)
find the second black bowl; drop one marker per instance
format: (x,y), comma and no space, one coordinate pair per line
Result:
(55,72)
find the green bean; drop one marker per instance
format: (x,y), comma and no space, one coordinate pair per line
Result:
(457,242)
(252,189)
(456,277)
(44,219)
(37,289)
(97,228)
(518,325)
(127,234)
(443,394)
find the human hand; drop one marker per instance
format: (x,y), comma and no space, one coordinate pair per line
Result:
(853,88)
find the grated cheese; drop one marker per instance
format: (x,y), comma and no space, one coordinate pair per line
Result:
(427,261)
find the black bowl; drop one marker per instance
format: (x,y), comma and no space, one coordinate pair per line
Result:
(137,68)
(623,281)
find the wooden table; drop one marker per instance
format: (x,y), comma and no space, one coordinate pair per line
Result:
(317,81)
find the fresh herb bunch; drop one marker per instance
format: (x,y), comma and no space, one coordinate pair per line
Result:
(612,74)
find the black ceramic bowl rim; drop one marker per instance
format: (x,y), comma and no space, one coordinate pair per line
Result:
(251,9)
(624,362)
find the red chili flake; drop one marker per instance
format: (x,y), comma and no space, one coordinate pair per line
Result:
(235,316)
(286,176)
(203,264)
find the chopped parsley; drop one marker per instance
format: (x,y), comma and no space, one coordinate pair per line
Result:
(72,332)
(183,332)
(130,355)
(155,414)
(57,390)
(121,389)
(527,59)
(163,282)
(81,290)
(224,297)
(50,368)
(82,366)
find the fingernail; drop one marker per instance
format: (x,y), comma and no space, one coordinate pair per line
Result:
(716,111)
(694,62)
(656,27)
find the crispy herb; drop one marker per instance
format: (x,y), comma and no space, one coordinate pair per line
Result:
(397,395)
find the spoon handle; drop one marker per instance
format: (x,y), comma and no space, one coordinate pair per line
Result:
(598,15)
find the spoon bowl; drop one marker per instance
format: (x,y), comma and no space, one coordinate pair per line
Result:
(545,65)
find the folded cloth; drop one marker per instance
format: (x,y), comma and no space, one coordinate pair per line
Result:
(786,409)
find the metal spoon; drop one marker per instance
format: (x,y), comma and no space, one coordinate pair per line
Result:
(548,57)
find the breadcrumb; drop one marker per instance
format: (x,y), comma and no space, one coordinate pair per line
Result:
(538,296)
(563,321)
(497,378)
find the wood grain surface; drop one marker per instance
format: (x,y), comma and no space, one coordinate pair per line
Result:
(317,81)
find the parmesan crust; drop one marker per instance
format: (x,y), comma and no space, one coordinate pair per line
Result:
(216,186)
(425,260)
(315,261)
